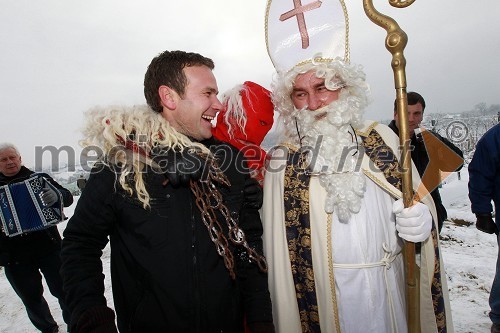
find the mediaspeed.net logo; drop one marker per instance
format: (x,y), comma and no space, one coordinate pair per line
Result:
(442,159)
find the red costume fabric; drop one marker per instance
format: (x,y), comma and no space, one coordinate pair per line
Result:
(244,121)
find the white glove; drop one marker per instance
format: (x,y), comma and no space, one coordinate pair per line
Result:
(414,223)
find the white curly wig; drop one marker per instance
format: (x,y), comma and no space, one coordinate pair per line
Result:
(113,130)
(355,93)
(344,185)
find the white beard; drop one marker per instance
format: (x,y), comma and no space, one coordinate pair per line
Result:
(335,162)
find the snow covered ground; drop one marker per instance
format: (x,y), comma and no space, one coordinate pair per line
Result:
(469,257)
(13,317)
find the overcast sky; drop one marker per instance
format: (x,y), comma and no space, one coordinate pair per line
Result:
(61,57)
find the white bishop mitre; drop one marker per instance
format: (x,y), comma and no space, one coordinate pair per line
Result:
(301,31)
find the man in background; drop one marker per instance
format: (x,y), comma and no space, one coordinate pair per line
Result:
(427,150)
(484,187)
(27,255)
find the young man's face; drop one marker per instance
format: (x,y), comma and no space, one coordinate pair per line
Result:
(311,91)
(415,116)
(10,162)
(194,112)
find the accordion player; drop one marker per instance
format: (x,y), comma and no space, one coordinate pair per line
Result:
(22,209)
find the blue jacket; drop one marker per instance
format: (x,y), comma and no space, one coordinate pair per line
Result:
(484,173)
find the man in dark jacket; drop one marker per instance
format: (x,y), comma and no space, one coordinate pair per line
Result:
(484,186)
(25,256)
(424,150)
(186,248)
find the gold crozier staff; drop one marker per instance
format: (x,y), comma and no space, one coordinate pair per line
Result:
(395,42)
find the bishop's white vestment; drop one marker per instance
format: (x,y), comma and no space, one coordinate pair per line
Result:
(361,260)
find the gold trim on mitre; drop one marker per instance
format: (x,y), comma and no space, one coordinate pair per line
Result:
(304,31)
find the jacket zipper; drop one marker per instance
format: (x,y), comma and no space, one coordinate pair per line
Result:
(196,280)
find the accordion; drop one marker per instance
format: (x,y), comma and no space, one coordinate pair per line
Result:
(22,210)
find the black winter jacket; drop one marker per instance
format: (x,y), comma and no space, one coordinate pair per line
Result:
(166,273)
(420,158)
(33,245)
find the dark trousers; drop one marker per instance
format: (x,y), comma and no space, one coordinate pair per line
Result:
(495,292)
(26,280)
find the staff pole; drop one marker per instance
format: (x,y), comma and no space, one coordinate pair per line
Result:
(395,43)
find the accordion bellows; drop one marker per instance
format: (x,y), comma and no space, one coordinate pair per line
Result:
(22,210)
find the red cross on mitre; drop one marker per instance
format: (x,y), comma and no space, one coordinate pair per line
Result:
(299,30)
(298,11)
